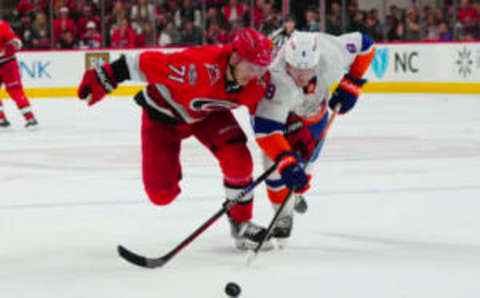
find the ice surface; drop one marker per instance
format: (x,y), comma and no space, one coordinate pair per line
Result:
(394,209)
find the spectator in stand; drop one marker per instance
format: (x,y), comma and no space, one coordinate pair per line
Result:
(169,36)
(374,27)
(477,9)
(412,25)
(59,4)
(238,25)
(258,14)
(358,23)
(188,12)
(352,8)
(234,11)
(215,34)
(468,37)
(42,35)
(311,16)
(191,34)
(66,40)
(161,21)
(215,3)
(118,14)
(91,39)
(334,19)
(77,9)
(142,12)
(29,7)
(430,28)
(270,21)
(87,17)
(467,14)
(63,23)
(26,32)
(123,36)
(443,33)
(146,37)
(25,7)
(396,28)
(213,15)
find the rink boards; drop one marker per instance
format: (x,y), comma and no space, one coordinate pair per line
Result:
(405,67)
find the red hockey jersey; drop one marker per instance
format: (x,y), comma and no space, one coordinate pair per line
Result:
(192,83)
(7,36)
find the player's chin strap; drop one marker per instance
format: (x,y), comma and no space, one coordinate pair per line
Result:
(231,80)
(321,137)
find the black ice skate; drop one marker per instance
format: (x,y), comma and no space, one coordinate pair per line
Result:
(4,123)
(31,124)
(248,235)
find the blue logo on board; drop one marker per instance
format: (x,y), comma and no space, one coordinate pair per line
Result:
(380,62)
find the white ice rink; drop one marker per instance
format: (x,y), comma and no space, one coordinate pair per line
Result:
(394,209)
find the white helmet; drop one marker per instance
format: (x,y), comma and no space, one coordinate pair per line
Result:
(303,50)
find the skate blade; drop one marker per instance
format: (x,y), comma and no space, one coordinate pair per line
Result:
(245,245)
(282,243)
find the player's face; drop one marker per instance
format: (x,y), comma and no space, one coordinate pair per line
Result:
(246,71)
(301,76)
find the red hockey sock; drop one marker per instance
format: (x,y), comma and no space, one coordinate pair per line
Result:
(242,212)
(22,102)
(2,114)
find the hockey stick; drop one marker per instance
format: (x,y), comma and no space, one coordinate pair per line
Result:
(322,135)
(142,261)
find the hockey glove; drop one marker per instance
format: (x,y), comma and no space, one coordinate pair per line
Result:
(101,80)
(96,83)
(346,93)
(292,172)
(299,137)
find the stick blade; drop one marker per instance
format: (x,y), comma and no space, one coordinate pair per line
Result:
(136,259)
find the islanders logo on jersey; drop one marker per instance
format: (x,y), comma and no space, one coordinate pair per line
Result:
(311,87)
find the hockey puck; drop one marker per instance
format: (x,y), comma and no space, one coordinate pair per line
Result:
(232,289)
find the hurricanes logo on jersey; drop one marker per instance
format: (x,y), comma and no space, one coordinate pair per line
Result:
(208,105)
(213,73)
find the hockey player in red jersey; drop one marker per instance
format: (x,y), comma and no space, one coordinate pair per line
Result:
(190,93)
(10,43)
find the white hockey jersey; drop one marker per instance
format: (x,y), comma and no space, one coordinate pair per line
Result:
(339,55)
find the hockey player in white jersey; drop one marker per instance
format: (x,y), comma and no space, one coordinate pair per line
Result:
(289,120)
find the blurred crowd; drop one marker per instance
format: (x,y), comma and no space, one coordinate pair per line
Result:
(435,23)
(147,23)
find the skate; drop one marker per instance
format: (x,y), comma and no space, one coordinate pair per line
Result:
(32,124)
(282,230)
(248,235)
(4,123)
(283,227)
(300,204)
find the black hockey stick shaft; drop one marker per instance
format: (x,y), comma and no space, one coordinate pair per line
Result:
(158,262)
(290,192)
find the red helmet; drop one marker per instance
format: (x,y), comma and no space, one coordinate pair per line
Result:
(253,46)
